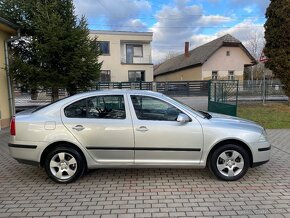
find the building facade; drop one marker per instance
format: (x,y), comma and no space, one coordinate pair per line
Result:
(7,29)
(224,58)
(126,56)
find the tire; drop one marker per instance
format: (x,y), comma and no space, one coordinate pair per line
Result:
(229,162)
(64,165)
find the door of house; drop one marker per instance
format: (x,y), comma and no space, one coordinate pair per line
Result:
(129,54)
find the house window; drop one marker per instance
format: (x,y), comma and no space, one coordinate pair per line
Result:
(231,75)
(104,47)
(133,51)
(105,76)
(136,76)
(228,53)
(214,75)
(138,50)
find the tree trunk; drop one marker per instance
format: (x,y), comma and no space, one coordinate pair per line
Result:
(72,89)
(54,94)
(34,94)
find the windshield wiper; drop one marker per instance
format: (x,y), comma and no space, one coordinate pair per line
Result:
(206,115)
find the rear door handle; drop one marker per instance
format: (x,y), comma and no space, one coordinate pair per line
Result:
(78,128)
(142,129)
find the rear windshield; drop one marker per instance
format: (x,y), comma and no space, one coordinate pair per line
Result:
(44,106)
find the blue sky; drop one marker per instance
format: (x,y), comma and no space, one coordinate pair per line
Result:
(175,21)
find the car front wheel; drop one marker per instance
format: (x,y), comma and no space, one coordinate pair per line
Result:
(64,165)
(229,162)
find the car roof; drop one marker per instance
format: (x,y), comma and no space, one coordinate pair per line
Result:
(118,91)
(64,101)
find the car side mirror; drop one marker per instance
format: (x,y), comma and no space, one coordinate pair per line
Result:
(183,118)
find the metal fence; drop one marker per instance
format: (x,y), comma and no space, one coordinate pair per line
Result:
(248,90)
(175,88)
(259,89)
(223,96)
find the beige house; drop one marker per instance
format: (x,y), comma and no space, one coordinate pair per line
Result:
(222,58)
(126,56)
(7,29)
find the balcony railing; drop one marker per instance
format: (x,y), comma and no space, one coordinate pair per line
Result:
(137,60)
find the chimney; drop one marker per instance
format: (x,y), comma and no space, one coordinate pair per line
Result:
(186,49)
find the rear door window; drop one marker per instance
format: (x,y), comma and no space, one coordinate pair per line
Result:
(98,107)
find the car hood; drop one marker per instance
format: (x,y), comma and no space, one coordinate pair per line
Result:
(226,119)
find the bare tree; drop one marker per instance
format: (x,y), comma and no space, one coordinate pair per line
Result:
(168,56)
(255,45)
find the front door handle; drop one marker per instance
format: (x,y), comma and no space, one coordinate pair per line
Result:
(142,129)
(78,128)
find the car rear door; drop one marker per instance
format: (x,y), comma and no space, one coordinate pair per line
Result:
(103,125)
(159,138)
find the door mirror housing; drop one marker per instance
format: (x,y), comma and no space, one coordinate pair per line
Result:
(183,118)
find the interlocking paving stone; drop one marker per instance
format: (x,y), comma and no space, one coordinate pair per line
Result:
(26,191)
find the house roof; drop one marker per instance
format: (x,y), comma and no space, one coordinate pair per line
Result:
(199,55)
(110,32)
(7,26)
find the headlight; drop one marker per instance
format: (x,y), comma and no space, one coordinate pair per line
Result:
(263,138)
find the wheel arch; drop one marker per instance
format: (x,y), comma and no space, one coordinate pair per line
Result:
(54,145)
(231,141)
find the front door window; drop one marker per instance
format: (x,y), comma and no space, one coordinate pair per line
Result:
(148,108)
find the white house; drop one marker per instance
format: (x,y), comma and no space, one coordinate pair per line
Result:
(223,58)
(126,56)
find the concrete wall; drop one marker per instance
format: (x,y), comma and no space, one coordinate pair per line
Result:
(182,75)
(4,103)
(222,63)
(113,62)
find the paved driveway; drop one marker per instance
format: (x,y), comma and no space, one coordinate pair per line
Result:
(263,192)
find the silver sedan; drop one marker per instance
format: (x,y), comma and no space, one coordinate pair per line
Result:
(127,128)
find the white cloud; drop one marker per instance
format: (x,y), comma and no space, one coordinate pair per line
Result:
(115,14)
(251,34)
(260,4)
(134,25)
(177,24)
(248,9)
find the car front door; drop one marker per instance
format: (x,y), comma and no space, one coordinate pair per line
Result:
(159,138)
(103,125)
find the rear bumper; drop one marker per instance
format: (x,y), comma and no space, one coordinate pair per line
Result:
(25,152)
(28,162)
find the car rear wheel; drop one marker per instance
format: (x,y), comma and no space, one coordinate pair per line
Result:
(64,165)
(229,162)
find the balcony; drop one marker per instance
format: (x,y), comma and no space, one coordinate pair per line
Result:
(136,52)
(136,60)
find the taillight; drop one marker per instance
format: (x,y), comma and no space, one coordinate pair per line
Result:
(12,127)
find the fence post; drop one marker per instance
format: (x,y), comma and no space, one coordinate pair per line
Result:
(264,87)
(154,86)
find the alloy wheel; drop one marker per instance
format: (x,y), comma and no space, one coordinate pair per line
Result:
(230,163)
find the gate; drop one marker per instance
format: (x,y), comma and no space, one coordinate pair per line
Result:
(223,96)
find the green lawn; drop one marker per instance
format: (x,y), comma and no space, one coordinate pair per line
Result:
(270,116)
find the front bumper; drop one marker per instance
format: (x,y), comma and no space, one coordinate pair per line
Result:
(261,153)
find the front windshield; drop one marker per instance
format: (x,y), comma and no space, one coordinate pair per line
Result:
(185,105)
